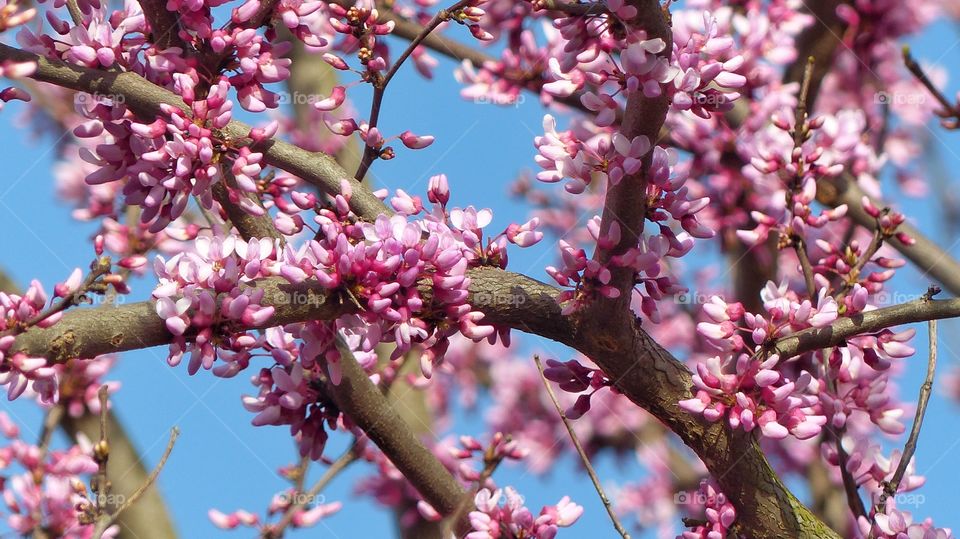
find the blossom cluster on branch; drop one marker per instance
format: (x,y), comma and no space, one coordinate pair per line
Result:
(672,128)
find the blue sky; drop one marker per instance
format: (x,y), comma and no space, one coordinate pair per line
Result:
(221,461)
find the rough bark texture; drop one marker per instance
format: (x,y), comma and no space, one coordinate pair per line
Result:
(649,376)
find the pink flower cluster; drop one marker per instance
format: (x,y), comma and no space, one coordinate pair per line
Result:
(204,291)
(18,371)
(81,380)
(11,15)
(668,201)
(491,520)
(747,386)
(573,377)
(43,491)
(719,513)
(464,458)
(893,523)
(289,393)
(102,40)
(207,296)
(800,168)
(304,517)
(167,162)
(751,393)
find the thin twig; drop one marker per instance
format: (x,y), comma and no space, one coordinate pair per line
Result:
(890,487)
(854,272)
(347,458)
(800,247)
(801,132)
(50,422)
(101,454)
(917,71)
(849,483)
(583,454)
(380,86)
(800,119)
(492,462)
(98,268)
(106,521)
(573,9)
(174,433)
(75,13)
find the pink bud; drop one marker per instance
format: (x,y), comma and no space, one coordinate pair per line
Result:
(868,207)
(336,99)
(415,142)
(343,127)
(480,33)
(259,134)
(335,61)
(438,190)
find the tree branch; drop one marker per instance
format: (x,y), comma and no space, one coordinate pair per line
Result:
(919,310)
(890,487)
(625,204)
(617,525)
(148,518)
(87,333)
(380,83)
(144,98)
(459,51)
(370,410)
(164,24)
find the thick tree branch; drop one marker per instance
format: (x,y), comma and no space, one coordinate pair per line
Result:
(625,205)
(639,367)
(164,25)
(371,411)
(248,225)
(87,333)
